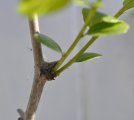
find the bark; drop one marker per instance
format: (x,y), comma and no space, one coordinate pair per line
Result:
(39,80)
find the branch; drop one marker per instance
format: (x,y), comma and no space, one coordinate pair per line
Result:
(39,81)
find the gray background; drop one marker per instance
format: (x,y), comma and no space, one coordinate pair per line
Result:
(102,89)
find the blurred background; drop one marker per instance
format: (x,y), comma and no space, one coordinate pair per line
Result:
(101,89)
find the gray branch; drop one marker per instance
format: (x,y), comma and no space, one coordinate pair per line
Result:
(39,81)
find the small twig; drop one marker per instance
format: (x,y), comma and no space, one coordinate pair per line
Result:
(38,82)
(43,71)
(88,44)
(120,12)
(78,38)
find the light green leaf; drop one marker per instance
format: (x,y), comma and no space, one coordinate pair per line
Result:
(97,4)
(47,41)
(109,19)
(128,4)
(108,27)
(103,24)
(30,7)
(97,18)
(88,56)
(81,2)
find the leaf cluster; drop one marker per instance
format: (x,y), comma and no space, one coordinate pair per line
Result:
(96,24)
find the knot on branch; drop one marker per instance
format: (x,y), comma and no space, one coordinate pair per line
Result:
(46,70)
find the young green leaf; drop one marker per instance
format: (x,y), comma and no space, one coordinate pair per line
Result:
(97,18)
(30,7)
(108,26)
(103,25)
(88,56)
(81,2)
(97,4)
(128,4)
(47,41)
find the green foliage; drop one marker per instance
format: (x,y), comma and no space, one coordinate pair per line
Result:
(128,4)
(98,16)
(96,4)
(98,24)
(81,2)
(30,7)
(88,56)
(103,25)
(47,41)
(111,27)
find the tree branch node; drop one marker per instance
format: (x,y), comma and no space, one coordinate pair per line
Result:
(46,70)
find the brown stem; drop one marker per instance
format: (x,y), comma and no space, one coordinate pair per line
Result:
(37,51)
(39,81)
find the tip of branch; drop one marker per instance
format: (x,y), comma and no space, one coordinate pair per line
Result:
(21,113)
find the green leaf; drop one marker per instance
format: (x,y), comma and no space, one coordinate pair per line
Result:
(30,7)
(97,18)
(97,4)
(108,26)
(128,4)
(88,56)
(81,2)
(103,24)
(109,19)
(47,41)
